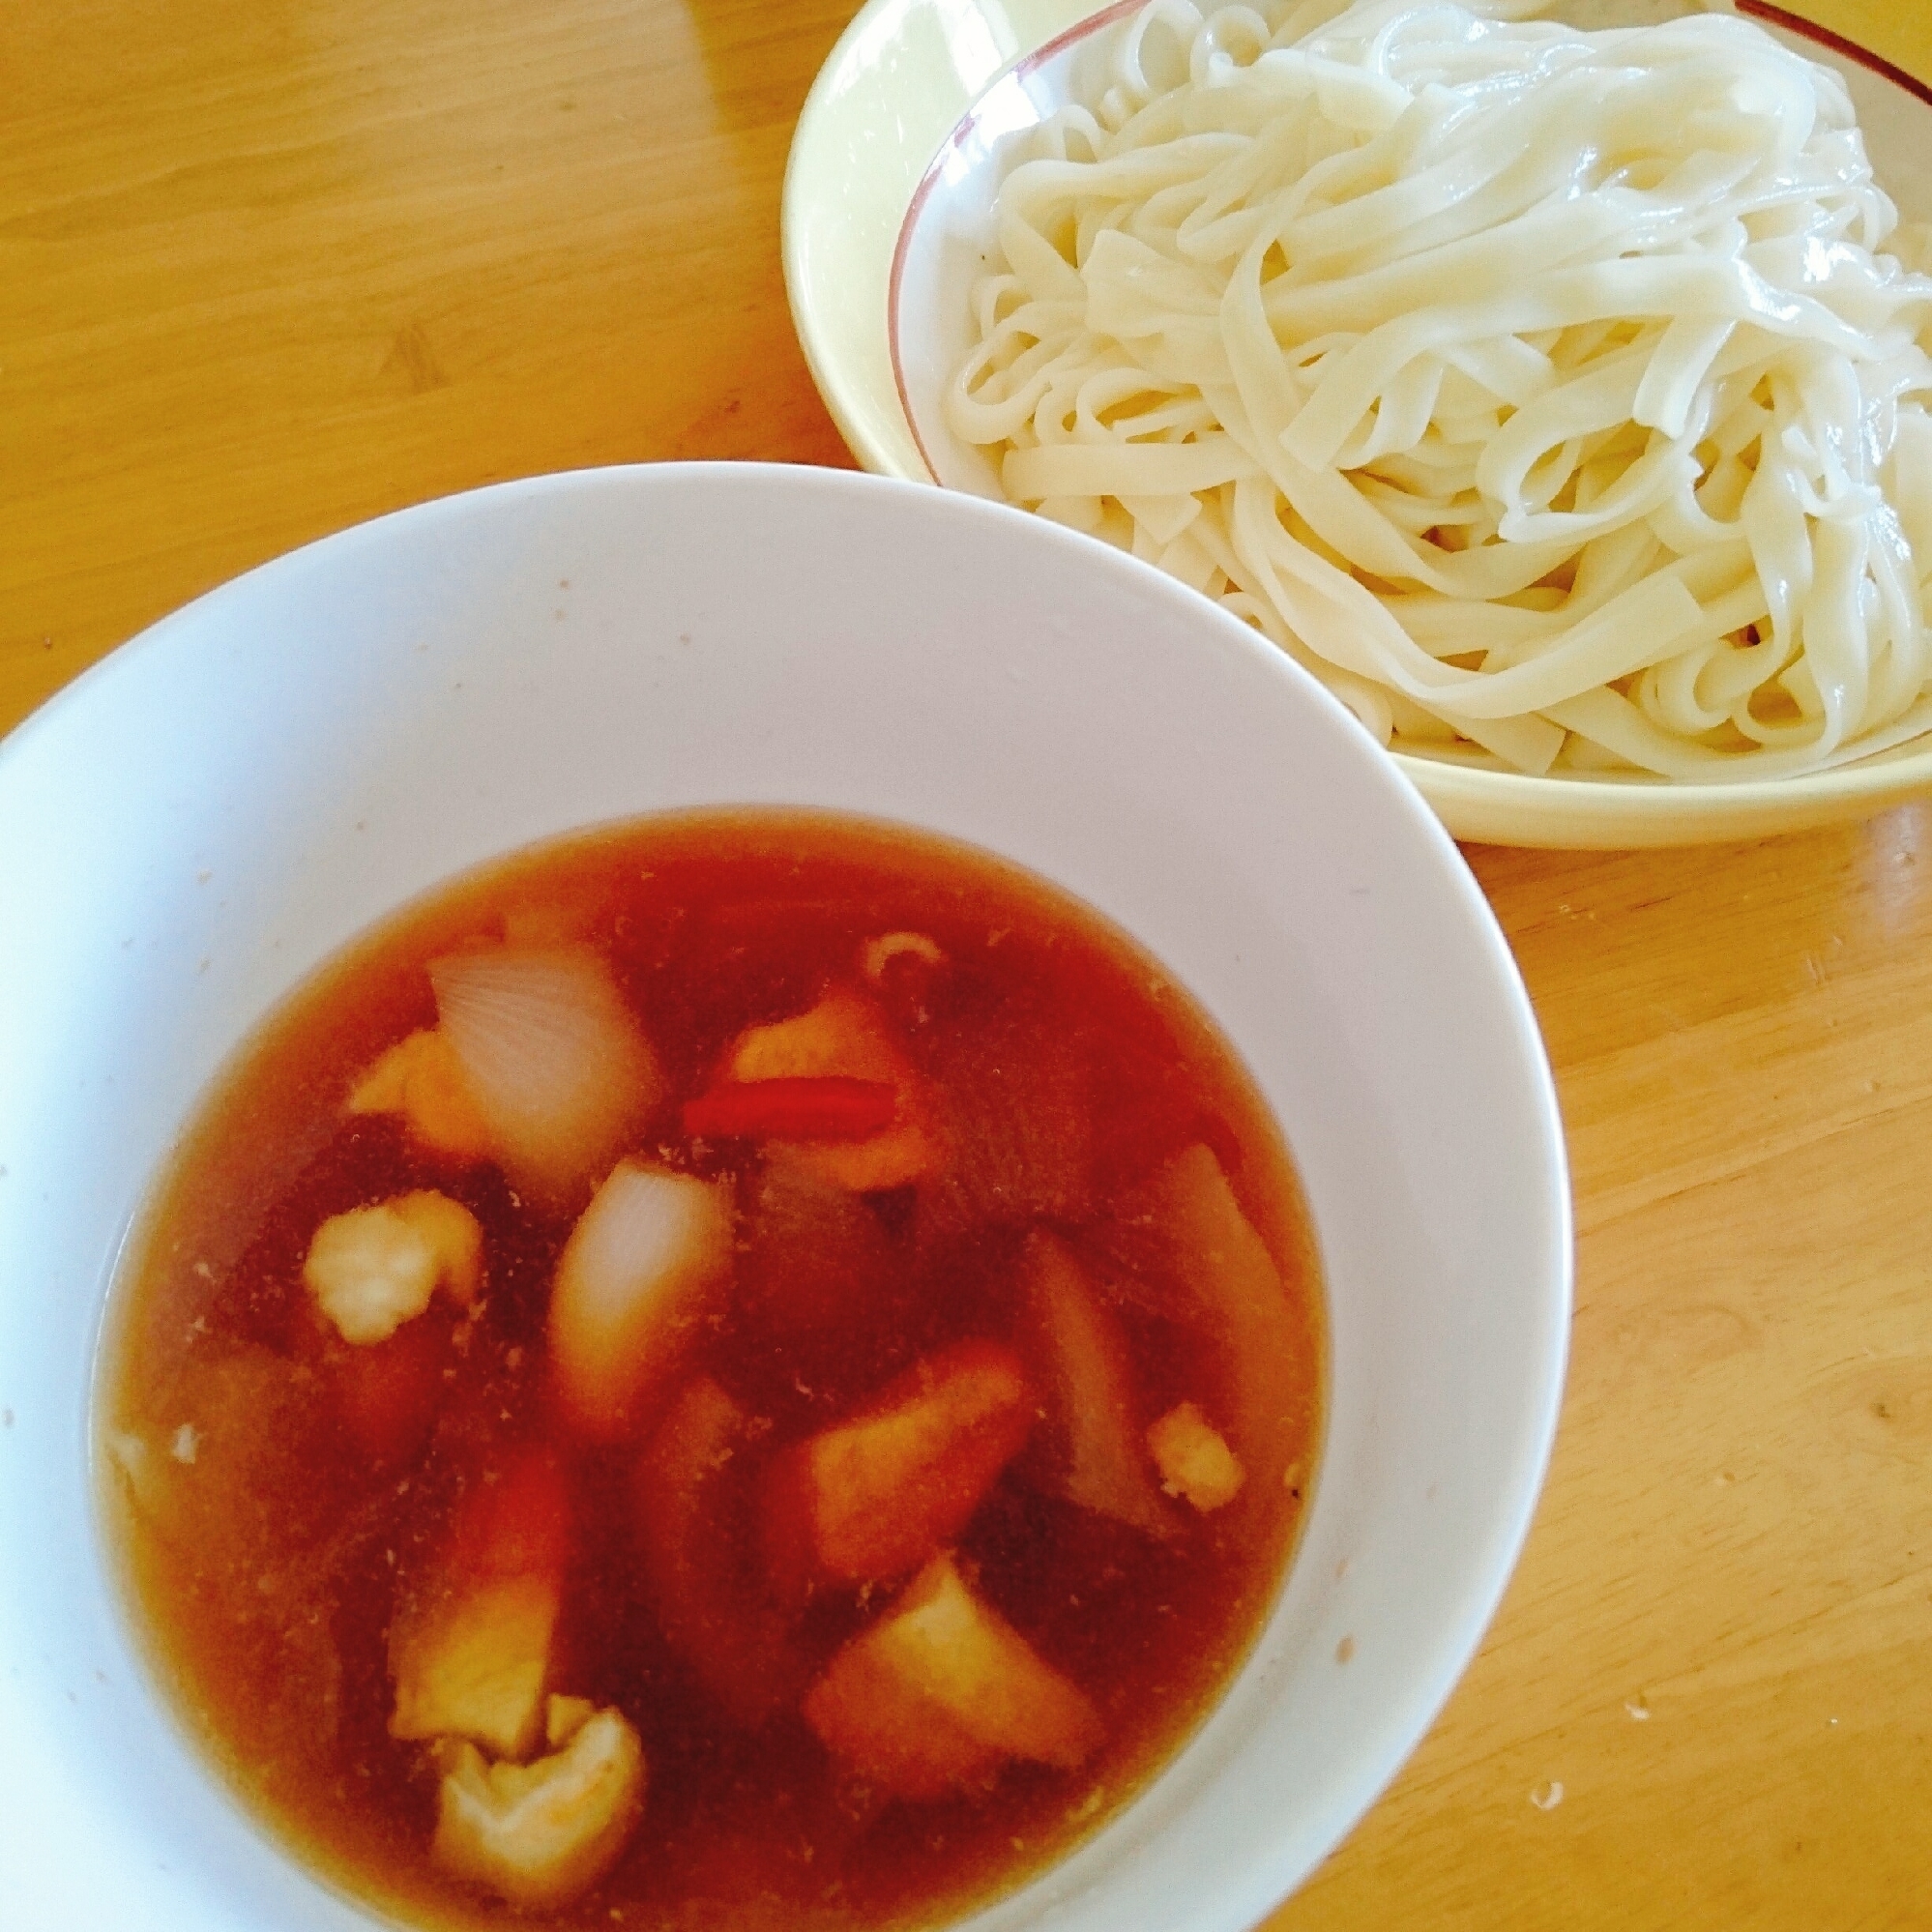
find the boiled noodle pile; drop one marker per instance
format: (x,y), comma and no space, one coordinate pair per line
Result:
(1558,397)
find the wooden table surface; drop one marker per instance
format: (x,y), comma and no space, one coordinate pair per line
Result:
(267,269)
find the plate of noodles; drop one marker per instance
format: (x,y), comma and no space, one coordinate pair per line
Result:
(1557,389)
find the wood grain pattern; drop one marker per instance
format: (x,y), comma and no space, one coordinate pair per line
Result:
(1717,1642)
(269,269)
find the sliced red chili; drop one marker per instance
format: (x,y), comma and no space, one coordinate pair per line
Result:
(830,1107)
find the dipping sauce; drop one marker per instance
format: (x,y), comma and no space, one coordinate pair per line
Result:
(752,1369)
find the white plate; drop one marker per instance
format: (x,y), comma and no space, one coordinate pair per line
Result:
(893,173)
(220,804)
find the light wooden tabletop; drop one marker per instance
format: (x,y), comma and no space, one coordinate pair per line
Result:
(267,269)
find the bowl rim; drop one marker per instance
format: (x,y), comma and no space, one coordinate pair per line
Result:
(1477,802)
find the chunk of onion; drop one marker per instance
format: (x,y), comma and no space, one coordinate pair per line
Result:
(1101,1463)
(1231,1286)
(558,1067)
(635,1277)
(687,1488)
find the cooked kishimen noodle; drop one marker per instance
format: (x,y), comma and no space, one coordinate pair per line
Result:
(1558,397)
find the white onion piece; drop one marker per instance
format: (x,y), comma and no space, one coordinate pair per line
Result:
(556,1064)
(1103,1464)
(634,1277)
(1228,1276)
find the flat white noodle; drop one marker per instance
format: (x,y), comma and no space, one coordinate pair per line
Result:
(1559,398)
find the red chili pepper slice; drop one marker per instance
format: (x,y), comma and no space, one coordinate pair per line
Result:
(829,1107)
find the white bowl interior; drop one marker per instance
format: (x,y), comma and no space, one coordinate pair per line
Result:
(220,807)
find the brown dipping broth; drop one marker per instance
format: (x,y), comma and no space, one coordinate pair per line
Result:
(264,1583)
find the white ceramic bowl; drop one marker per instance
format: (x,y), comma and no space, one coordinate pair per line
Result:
(888,200)
(201,820)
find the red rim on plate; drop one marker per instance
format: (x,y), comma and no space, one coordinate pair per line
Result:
(1080,30)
